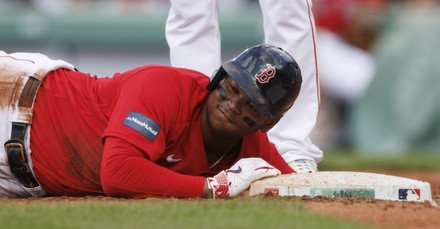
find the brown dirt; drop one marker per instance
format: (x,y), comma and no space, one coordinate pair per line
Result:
(397,214)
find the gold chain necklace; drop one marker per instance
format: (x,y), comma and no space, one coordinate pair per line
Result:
(218,161)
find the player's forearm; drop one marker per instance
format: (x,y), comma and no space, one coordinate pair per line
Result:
(282,165)
(151,181)
(124,173)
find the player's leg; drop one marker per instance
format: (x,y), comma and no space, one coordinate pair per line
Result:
(16,68)
(193,35)
(289,24)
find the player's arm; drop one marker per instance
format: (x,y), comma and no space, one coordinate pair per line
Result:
(261,147)
(279,162)
(127,172)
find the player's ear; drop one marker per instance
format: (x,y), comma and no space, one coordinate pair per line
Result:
(271,122)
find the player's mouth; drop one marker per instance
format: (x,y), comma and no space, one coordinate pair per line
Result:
(224,115)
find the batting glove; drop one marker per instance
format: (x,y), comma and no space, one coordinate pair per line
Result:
(231,182)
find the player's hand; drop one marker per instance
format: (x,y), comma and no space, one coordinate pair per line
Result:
(231,182)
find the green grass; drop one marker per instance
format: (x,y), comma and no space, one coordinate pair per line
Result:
(346,160)
(160,213)
(260,212)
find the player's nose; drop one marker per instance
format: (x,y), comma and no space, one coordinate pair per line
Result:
(235,103)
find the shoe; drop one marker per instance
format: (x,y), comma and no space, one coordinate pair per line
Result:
(304,166)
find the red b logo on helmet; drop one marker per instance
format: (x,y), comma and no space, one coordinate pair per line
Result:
(266,74)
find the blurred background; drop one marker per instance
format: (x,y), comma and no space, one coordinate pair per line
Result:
(378,59)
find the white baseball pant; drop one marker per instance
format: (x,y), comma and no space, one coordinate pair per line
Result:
(192,27)
(15,70)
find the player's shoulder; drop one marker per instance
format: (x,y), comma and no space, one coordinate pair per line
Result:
(184,74)
(257,134)
(257,144)
(167,74)
(257,139)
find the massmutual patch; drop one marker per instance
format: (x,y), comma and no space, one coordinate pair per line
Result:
(142,124)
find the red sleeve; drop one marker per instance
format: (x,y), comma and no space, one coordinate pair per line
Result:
(127,172)
(258,145)
(279,162)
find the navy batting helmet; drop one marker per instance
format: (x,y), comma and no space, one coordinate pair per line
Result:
(268,75)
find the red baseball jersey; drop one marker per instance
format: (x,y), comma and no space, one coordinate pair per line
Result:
(136,134)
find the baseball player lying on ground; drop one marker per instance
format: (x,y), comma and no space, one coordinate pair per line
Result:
(151,131)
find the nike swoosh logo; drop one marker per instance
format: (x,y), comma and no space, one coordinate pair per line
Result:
(267,168)
(171,159)
(234,170)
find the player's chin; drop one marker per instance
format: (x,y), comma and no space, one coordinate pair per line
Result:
(228,130)
(225,129)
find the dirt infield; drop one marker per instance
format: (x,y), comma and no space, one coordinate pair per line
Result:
(395,214)
(385,213)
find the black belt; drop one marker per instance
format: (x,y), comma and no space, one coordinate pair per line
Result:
(17,157)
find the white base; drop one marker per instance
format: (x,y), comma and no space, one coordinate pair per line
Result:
(344,184)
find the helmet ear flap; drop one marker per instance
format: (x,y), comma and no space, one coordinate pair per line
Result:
(216,77)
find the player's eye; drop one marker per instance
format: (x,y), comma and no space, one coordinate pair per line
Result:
(234,89)
(221,92)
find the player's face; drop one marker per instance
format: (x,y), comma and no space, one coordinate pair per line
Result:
(230,112)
